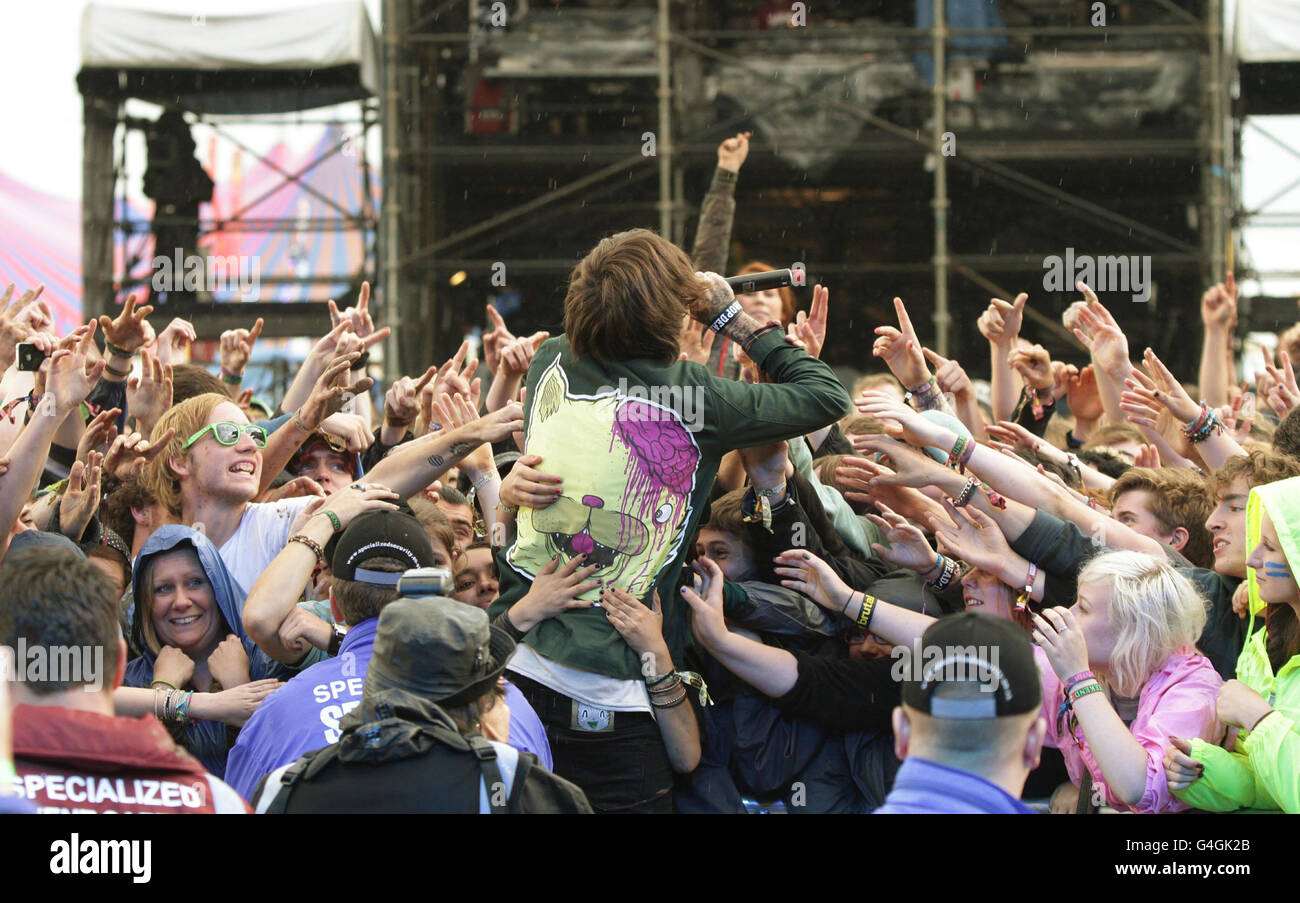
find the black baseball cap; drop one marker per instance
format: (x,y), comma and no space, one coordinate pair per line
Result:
(976,648)
(388,533)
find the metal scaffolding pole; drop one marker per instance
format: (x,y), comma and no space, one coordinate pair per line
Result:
(391,285)
(664,140)
(1215,172)
(940,202)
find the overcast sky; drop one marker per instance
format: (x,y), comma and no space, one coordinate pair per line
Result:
(41,145)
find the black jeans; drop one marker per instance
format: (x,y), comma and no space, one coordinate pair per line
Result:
(623,770)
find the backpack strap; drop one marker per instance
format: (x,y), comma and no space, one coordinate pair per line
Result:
(487,763)
(304,769)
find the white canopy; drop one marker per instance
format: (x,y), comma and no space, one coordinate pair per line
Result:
(258,55)
(1267,31)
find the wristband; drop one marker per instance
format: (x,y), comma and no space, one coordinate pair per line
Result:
(334,520)
(949,570)
(300,423)
(651,681)
(733,309)
(155,683)
(1088,688)
(117,351)
(932,569)
(361,362)
(113,371)
(1022,600)
(1077,679)
(233,379)
(868,609)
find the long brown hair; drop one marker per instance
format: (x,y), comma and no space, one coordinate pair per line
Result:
(627,298)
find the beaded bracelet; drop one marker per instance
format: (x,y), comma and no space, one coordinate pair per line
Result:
(311,544)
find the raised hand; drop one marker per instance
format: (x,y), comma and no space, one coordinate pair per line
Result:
(327,396)
(174,340)
(350,429)
(517,356)
(696,341)
(733,151)
(804,572)
(131,453)
(149,395)
(973,537)
(900,420)
(949,375)
(1160,390)
(1283,393)
(357,499)
(359,320)
(80,500)
(705,600)
(72,374)
(99,435)
(907,546)
(808,331)
(1001,322)
(1101,335)
(402,403)
(1034,366)
(129,331)
(1083,396)
(237,348)
(1219,304)
(495,340)
(900,349)
(15,325)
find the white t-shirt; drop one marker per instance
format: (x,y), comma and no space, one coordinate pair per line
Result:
(507,761)
(262,534)
(596,690)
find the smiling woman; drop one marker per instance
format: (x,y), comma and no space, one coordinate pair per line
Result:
(187,620)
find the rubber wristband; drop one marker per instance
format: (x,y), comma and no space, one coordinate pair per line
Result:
(868,609)
(334,520)
(164,683)
(118,351)
(233,379)
(726,316)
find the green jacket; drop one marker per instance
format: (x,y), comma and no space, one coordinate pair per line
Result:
(1262,771)
(637,444)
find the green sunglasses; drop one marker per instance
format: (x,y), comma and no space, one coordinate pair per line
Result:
(228,434)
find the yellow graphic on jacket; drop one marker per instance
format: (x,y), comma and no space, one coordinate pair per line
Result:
(628,467)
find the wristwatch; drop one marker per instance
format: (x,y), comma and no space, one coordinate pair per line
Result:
(336,639)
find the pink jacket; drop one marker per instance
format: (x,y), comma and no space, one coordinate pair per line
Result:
(1179,700)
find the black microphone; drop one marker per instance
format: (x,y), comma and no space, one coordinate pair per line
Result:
(760,282)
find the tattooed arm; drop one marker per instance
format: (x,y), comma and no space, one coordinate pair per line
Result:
(416,464)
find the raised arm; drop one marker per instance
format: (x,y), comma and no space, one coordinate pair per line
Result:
(1000,324)
(1218,314)
(411,467)
(718,210)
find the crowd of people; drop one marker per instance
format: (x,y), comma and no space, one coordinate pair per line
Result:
(664,561)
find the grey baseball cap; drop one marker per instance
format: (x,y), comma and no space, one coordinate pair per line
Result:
(441,649)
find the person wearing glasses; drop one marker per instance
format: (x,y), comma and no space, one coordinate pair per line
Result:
(216,464)
(187,623)
(209,475)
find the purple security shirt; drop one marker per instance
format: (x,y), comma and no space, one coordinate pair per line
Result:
(304,714)
(922,787)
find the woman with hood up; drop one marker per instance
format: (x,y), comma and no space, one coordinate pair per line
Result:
(1260,766)
(187,621)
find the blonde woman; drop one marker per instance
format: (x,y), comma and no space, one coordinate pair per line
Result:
(1121,673)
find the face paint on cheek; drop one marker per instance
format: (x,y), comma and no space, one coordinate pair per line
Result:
(1277,569)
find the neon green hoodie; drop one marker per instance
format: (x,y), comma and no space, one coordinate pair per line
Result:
(1262,771)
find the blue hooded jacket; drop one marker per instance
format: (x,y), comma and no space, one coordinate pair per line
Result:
(207,740)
